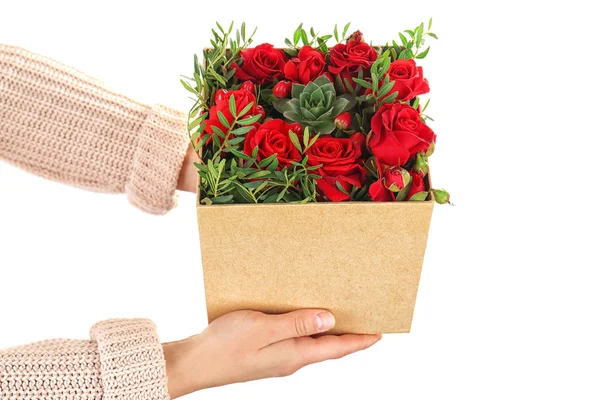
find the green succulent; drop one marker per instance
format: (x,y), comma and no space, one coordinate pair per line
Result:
(315,105)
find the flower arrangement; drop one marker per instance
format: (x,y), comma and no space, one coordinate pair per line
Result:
(312,123)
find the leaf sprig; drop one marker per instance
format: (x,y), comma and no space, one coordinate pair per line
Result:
(412,42)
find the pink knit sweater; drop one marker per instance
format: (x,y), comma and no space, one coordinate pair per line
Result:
(124,360)
(61,124)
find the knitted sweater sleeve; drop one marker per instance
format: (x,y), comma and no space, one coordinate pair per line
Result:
(124,360)
(60,124)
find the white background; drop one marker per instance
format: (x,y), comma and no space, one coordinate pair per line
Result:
(508,302)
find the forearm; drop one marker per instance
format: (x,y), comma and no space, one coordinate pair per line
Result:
(124,359)
(63,125)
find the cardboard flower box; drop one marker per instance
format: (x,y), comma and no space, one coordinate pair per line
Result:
(360,260)
(314,185)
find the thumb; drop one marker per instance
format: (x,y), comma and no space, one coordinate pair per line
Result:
(298,323)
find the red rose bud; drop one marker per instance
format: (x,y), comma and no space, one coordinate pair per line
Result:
(220,95)
(282,89)
(297,128)
(441,196)
(248,86)
(260,110)
(343,121)
(356,37)
(359,139)
(396,179)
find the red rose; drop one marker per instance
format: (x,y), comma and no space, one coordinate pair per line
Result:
(272,137)
(417,185)
(408,79)
(242,99)
(309,65)
(339,165)
(282,89)
(346,59)
(261,64)
(398,133)
(392,181)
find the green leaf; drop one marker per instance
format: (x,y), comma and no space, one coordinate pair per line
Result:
(419,34)
(346,30)
(390,99)
(297,36)
(423,54)
(223,119)
(406,54)
(385,89)
(267,160)
(304,38)
(341,188)
(362,83)
(349,87)
(259,174)
(283,193)
(403,39)
(426,105)
(202,142)
(245,109)
(196,64)
(222,199)
(232,106)
(236,140)
(433,35)
(419,196)
(416,103)
(188,87)
(194,123)
(312,141)
(218,131)
(242,130)
(335,34)
(244,31)
(241,155)
(306,137)
(273,166)
(295,141)
(430,22)
(220,28)
(249,120)
(255,152)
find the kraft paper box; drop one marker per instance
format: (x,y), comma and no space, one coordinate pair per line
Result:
(360,260)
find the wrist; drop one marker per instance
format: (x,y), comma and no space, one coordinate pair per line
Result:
(188,176)
(184,371)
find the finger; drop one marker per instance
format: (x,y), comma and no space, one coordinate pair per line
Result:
(332,347)
(297,324)
(296,353)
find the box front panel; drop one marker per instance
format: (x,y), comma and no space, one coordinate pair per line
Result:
(362,261)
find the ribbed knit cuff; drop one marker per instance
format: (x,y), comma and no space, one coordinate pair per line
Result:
(157,162)
(132,363)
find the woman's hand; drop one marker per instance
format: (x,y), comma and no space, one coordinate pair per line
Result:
(248,345)
(188,176)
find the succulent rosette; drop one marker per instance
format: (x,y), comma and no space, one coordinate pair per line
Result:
(315,105)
